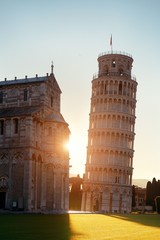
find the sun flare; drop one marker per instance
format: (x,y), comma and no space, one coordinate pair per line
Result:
(72,146)
(76,147)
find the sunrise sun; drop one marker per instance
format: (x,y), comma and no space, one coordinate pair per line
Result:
(72,146)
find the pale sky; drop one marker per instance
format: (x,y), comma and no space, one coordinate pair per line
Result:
(73,33)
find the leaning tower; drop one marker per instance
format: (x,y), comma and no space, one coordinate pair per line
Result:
(108,172)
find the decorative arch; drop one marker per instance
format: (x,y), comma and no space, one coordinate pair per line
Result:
(3,182)
(4,158)
(18,157)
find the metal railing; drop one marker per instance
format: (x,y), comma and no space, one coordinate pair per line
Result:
(115,52)
(114,74)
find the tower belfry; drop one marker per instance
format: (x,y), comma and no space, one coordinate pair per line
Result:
(108,173)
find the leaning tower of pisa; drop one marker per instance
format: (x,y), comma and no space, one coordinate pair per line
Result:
(109,165)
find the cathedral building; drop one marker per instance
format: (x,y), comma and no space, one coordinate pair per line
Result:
(34,161)
(109,165)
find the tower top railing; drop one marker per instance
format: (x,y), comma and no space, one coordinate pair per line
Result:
(114,74)
(114,52)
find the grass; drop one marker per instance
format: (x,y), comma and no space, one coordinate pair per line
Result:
(79,227)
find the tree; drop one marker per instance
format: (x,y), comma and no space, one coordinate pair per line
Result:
(152,191)
(133,196)
(157,204)
(149,194)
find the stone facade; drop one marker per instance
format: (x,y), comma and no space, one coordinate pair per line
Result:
(108,174)
(140,198)
(34,162)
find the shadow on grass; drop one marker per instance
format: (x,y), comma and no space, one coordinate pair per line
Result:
(32,227)
(152,220)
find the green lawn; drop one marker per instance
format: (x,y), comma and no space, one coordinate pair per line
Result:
(79,227)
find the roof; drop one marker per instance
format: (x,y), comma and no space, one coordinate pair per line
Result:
(17,111)
(55,116)
(27,80)
(24,80)
(27,111)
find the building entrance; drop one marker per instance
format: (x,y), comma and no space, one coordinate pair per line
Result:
(2,200)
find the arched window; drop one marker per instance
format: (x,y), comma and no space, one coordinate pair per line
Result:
(1,127)
(51,101)
(1,97)
(25,95)
(15,125)
(105,70)
(120,88)
(113,63)
(50,131)
(121,72)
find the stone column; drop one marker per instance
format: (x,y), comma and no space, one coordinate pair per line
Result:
(120,203)
(43,190)
(83,205)
(91,203)
(100,201)
(54,190)
(62,191)
(66,192)
(27,184)
(36,184)
(110,202)
(9,192)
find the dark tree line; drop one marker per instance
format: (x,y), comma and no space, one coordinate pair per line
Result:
(133,196)
(152,191)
